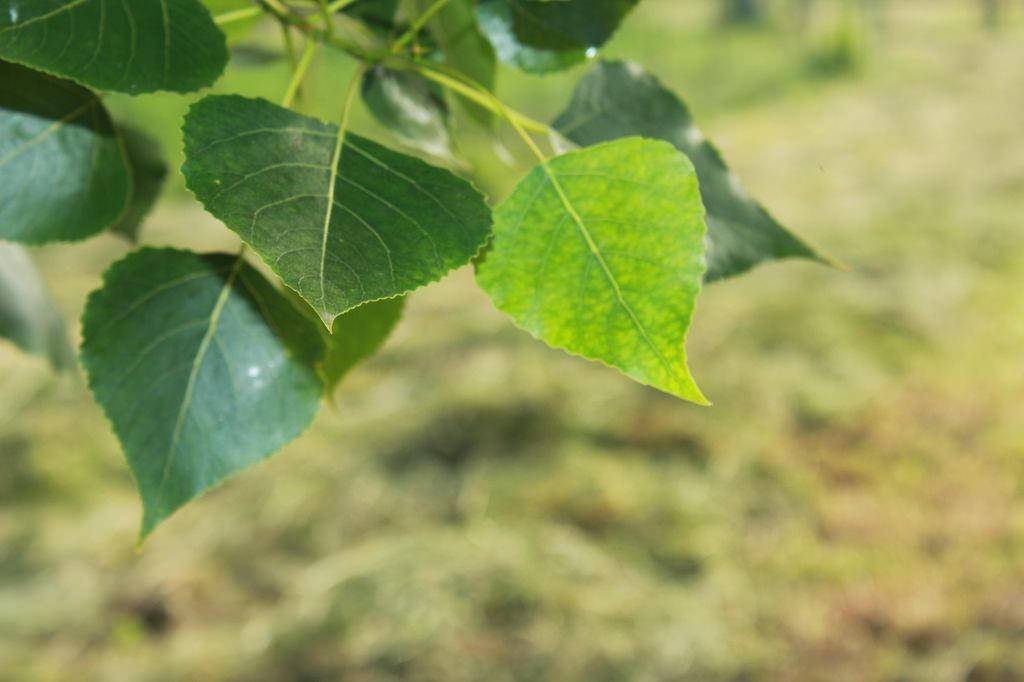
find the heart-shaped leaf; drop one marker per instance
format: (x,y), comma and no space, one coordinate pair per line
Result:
(28,316)
(202,367)
(541,35)
(63,172)
(131,46)
(600,252)
(618,99)
(341,219)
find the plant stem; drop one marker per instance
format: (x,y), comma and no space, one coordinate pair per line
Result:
(319,34)
(338,4)
(418,24)
(300,72)
(238,15)
(477,93)
(325,12)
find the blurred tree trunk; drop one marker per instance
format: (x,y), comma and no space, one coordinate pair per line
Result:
(741,11)
(992,11)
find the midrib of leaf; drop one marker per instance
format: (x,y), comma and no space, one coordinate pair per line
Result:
(339,142)
(43,17)
(50,130)
(596,253)
(197,364)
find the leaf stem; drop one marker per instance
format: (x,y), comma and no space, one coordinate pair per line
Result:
(418,24)
(238,15)
(474,92)
(319,34)
(325,12)
(338,4)
(301,68)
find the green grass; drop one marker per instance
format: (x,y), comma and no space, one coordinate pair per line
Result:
(479,507)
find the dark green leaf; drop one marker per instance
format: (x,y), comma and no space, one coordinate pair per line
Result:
(377,13)
(148,174)
(28,316)
(548,35)
(464,47)
(202,367)
(618,99)
(357,335)
(410,107)
(131,46)
(63,172)
(341,223)
(601,253)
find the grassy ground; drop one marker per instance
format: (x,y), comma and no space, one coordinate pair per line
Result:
(477,506)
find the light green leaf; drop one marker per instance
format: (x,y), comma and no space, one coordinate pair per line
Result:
(131,46)
(202,367)
(601,253)
(411,107)
(357,335)
(341,219)
(28,316)
(464,47)
(618,99)
(545,35)
(148,173)
(63,172)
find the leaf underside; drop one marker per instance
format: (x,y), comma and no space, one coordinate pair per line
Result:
(202,367)
(465,48)
(63,172)
(28,316)
(619,99)
(148,174)
(541,35)
(131,46)
(357,335)
(602,254)
(374,225)
(412,108)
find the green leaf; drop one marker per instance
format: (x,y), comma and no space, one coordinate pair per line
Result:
(148,173)
(202,367)
(341,219)
(63,172)
(410,107)
(464,47)
(357,335)
(377,14)
(547,35)
(601,253)
(131,46)
(617,99)
(28,316)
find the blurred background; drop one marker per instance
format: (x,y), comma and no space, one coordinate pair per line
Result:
(476,506)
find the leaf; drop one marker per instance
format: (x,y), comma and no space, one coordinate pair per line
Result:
(28,315)
(464,47)
(342,223)
(357,335)
(131,46)
(601,253)
(410,107)
(619,99)
(202,367)
(379,14)
(148,174)
(63,172)
(547,35)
